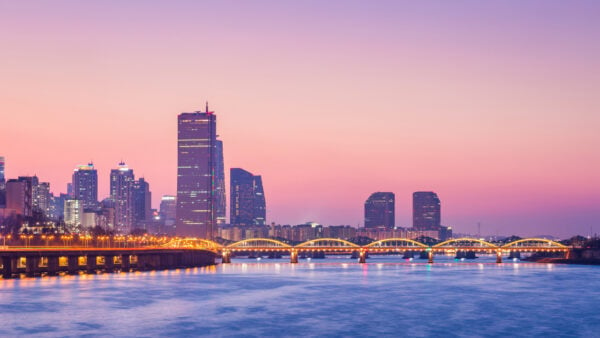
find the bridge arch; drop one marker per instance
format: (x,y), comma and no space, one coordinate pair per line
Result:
(251,243)
(534,243)
(385,243)
(193,243)
(459,242)
(328,243)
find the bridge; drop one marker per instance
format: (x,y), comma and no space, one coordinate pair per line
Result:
(390,245)
(193,252)
(52,261)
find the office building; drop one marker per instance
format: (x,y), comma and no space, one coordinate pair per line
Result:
(2,183)
(19,196)
(73,214)
(220,195)
(247,199)
(121,186)
(196,136)
(85,185)
(141,199)
(426,211)
(380,210)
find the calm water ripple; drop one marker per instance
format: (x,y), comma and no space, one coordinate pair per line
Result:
(331,297)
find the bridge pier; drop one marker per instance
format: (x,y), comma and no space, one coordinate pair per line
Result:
(8,266)
(430,256)
(91,264)
(293,256)
(362,256)
(499,256)
(109,263)
(32,266)
(52,265)
(73,264)
(226,257)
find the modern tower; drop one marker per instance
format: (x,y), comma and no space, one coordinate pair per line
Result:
(247,200)
(220,196)
(121,187)
(426,211)
(19,196)
(141,202)
(2,183)
(380,210)
(85,185)
(196,148)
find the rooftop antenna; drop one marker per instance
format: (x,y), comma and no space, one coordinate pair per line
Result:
(207,107)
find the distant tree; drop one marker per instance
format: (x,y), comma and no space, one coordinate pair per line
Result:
(361,240)
(138,232)
(511,239)
(427,240)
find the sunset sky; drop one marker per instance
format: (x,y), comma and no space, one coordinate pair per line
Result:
(494,105)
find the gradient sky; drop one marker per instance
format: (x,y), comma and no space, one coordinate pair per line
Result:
(492,104)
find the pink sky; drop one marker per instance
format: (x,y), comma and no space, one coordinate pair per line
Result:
(493,105)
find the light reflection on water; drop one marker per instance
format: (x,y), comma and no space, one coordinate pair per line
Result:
(332,297)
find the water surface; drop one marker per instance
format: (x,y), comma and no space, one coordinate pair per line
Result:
(328,297)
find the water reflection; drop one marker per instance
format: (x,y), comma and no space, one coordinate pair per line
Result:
(327,297)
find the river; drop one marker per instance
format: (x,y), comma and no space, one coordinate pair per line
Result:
(332,297)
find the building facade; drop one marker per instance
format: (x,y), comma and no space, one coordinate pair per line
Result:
(121,187)
(220,195)
(2,183)
(141,203)
(85,185)
(426,211)
(19,196)
(380,210)
(247,199)
(196,136)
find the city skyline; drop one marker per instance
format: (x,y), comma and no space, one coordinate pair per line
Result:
(417,97)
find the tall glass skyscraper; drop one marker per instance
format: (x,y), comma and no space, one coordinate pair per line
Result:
(380,210)
(247,198)
(196,148)
(220,196)
(85,185)
(426,211)
(2,183)
(121,187)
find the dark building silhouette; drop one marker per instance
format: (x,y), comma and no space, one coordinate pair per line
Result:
(85,185)
(141,198)
(247,199)
(196,174)
(121,187)
(220,195)
(426,211)
(380,210)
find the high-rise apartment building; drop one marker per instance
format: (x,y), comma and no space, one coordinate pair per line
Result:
(19,196)
(73,213)
(85,185)
(380,210)
(196,148)
(141,203)
(426,211)
(247,198)
(220,195)
(121,187)
(42,198)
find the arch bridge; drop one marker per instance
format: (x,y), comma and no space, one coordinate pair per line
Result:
(336,245)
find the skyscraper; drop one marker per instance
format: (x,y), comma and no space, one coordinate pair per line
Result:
(85,185)
(247,199)
(380,210)
(121,184)
(426,211)
(196,174)
(141,203)
(220,195)
(2,183)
